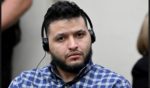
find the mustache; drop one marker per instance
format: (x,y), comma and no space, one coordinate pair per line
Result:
(73,53)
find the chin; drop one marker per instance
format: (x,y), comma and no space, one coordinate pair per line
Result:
(75,63)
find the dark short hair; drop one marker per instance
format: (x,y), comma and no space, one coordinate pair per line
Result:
(62,10)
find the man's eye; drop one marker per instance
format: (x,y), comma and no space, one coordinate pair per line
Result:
(60,39)
(80,35)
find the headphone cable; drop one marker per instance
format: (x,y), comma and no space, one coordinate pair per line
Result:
(37,69)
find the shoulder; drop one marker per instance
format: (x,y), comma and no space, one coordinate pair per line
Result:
(140,68)
(27,77)
(106,76)
(105,72)
(142,61)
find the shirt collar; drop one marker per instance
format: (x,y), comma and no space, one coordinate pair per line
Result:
(82,72)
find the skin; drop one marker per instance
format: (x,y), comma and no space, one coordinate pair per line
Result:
(70,41)
(12,10)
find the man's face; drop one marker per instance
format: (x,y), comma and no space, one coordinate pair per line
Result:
(69,43)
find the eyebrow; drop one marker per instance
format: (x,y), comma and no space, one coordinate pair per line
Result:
(81,30)
(63,33)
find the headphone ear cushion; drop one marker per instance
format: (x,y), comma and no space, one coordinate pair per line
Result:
(92,35)
(45,44)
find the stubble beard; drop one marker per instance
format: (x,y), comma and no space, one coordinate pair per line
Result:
(71,68)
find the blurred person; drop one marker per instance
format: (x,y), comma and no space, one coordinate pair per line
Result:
(67,38)
(11,11)
(140,69)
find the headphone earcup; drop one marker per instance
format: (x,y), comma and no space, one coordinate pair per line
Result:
(92,36)
(45,44)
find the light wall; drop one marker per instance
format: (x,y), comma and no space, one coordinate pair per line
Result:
(116,25)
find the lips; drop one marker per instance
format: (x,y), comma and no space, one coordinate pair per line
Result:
(74,55)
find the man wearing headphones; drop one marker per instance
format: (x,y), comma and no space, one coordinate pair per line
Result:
(66,36)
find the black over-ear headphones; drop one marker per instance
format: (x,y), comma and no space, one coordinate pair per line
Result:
(45,39)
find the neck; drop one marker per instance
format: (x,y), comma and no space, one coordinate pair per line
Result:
(66,76)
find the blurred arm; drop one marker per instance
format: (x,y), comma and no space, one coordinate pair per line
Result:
(12,10)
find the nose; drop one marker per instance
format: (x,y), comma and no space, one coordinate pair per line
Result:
(73,44)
